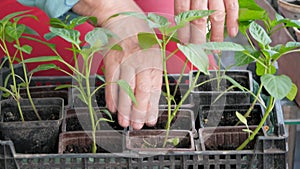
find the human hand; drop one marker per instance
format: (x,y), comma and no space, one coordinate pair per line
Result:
(142,69)
(196,31)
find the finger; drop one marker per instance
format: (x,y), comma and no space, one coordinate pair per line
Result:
(142,94)
(112,72)
(217,20)
(152,113)
(182,6)
(199,26)
(124,105)
(232,14)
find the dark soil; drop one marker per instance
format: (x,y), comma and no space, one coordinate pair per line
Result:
(46,112)
(241,78)
(80,120)
(212,116)
(73,148)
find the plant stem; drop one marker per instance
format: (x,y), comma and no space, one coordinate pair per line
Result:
(27,83)
(260,125)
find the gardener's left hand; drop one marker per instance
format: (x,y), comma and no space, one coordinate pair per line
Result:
(196,31)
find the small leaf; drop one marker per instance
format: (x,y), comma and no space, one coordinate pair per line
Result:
(26,48)
(248,130)
(191,15)
(105,111)
(71,36)
(234,82)
(293,93)
(157,21)
(15,32)
(147,40)
(63,86)
(81,20)
(241,118)
(49,36)
(277,86)
(30,31)
(243,58)
(196,55)
(125,86)
(44,67)
(57,23)
(116,47)
(259,34)
(100,78)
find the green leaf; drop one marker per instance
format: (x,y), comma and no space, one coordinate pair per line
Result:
(243,58)
(277,86)
(49,36)
(147,40)
(43,67)
(125,86)
(100,78)
(248,130)
(105,111)
(57,23)
(96,38)
(81,20)
(249,11)
(71,36)
(63,86)
(223,46)
(12,15)
(196,55)
(259,34)
(15,32)
(42,59)
(260,69)
(241,118)
(30,31)
(293,92)
(157,21)
(191,15)
(116,47)
(26,48)
(135,14)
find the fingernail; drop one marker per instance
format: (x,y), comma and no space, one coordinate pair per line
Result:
(233,32)
(123,122)
(137,126)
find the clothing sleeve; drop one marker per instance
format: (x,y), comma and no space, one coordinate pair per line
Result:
(53,8)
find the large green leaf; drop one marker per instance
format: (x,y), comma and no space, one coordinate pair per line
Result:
(244,57)
(196,55)
(147,40)
(125,86)
(293,92)
(15,31)
(71,36)
(191,15)
(222,46)
(277,86)
(259,34)
(96,38)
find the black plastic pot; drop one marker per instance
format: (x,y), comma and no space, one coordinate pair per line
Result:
(219,115)
(79,120)
(152,140)
(32,135)
(226,138)
(81,142)
(217,93)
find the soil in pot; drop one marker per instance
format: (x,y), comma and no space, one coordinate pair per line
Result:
(222,92)
(79,120)
(212,116)
(152,140)
(81,142)
(32,135)
(226,138)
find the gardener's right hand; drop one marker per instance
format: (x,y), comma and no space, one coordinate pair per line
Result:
(140,68)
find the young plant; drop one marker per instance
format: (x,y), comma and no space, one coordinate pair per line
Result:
(196,54)
(265,55)
(97,40)
(244,121)
(10,33)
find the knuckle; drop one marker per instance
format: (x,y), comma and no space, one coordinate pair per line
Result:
(231,5)
(200,21)
(218,16)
